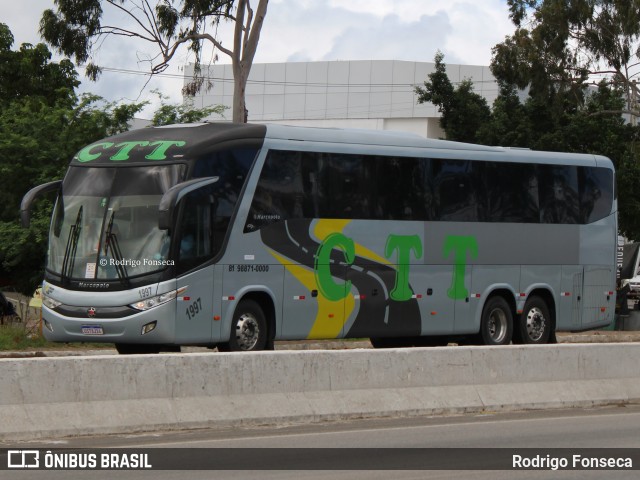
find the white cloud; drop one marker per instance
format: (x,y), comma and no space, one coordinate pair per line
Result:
(390,38)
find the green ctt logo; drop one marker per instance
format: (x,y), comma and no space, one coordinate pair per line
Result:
(403,248)
(119,152)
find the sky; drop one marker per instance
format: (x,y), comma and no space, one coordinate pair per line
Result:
(300,30)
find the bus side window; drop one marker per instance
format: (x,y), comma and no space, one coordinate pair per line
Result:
(455,190)
(596,193)
(195,230)
(510,192)
(558,187)
(278,195)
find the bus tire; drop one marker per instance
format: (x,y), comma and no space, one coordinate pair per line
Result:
(496,326)
(534,325)
(248,329)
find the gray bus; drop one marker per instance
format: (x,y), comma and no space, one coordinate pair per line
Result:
(233,236)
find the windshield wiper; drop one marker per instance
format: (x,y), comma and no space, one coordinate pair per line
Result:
(72,247)
(111,246)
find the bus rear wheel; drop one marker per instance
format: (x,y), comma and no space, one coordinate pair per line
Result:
(496,327)
(534,325)
(248,329)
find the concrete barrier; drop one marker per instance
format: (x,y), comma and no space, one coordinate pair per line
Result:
(54,397)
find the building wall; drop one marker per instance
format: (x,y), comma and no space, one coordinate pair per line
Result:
(376,94)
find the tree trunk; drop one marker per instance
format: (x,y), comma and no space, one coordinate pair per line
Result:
(245,45)
(240,77)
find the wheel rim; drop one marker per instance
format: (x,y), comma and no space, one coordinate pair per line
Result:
(247,331)
(536,324)
(497,325)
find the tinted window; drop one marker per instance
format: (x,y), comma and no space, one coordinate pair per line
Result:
(510,192)
(346,181)
(596,193)
(400,188)
(195,243)
(455,190)
(330,185)
(334,185)
(559,199)
(232,167)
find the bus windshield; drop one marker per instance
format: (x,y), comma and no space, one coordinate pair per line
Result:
(105,223)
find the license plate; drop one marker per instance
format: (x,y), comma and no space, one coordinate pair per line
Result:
(92,330)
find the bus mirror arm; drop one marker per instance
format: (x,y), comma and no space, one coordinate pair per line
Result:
(31,195)
(172,197)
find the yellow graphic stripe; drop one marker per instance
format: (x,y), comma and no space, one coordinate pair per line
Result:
(331,316)
(324,228)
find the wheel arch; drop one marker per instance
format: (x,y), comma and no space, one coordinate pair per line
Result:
(547,296)
(504,291)
(267,302)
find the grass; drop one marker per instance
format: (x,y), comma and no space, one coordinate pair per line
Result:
(17,337)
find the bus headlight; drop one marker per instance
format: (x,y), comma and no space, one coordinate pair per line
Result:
(156,301)
(50,302)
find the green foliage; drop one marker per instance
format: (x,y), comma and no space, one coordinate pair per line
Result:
(28,72)
(557,120)
(463,111)
(42,124)
(554,50)
(75,29)
(169,114)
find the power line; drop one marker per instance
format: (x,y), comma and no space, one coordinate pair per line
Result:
(284,83)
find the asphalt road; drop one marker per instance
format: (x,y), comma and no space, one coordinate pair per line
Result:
(615,428)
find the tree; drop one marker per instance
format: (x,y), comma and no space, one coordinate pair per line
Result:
(170,113)
(29,71)
(463,111)
(557,52)
(77,29)
(558,46)
(42,124)
(555,120)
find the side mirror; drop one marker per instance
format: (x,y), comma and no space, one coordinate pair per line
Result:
(31,195)
(172,196)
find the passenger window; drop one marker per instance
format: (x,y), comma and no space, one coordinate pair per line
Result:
(455,190)
(510,192)
(559,200)
(596,193)
(399,188)
(279,193)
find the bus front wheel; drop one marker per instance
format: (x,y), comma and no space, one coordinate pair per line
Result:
(496,326)
(248,329)
(534,325)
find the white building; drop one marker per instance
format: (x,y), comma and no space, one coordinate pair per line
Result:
(376,94)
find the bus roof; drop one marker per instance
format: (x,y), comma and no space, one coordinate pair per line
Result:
(414,141)
(195,140)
